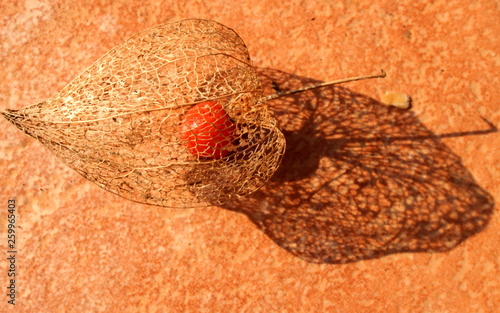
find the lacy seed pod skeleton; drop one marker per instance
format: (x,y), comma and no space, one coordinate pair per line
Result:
(174,117)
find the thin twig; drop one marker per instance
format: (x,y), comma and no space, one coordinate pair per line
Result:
(345,80)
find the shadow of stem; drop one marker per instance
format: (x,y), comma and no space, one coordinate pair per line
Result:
(362,180)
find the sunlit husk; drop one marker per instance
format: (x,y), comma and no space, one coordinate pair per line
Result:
(119,122)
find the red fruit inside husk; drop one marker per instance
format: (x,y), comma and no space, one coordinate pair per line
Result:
(208,130)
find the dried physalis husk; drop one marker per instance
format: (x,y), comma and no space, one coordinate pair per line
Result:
(174,116)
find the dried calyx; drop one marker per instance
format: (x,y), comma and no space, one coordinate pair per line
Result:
(174,117)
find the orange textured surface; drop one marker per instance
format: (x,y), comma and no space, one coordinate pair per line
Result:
(82,249)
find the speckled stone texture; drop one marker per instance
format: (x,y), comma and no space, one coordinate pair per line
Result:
(82,249)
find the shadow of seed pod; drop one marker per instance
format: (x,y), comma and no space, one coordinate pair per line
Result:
(174,117)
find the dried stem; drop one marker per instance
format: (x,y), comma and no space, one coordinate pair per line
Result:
(345,80)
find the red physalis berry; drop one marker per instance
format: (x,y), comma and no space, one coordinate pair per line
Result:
(208,130)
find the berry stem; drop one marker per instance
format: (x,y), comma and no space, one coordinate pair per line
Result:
(345,80)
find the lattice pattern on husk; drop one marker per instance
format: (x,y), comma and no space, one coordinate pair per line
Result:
(119,123)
